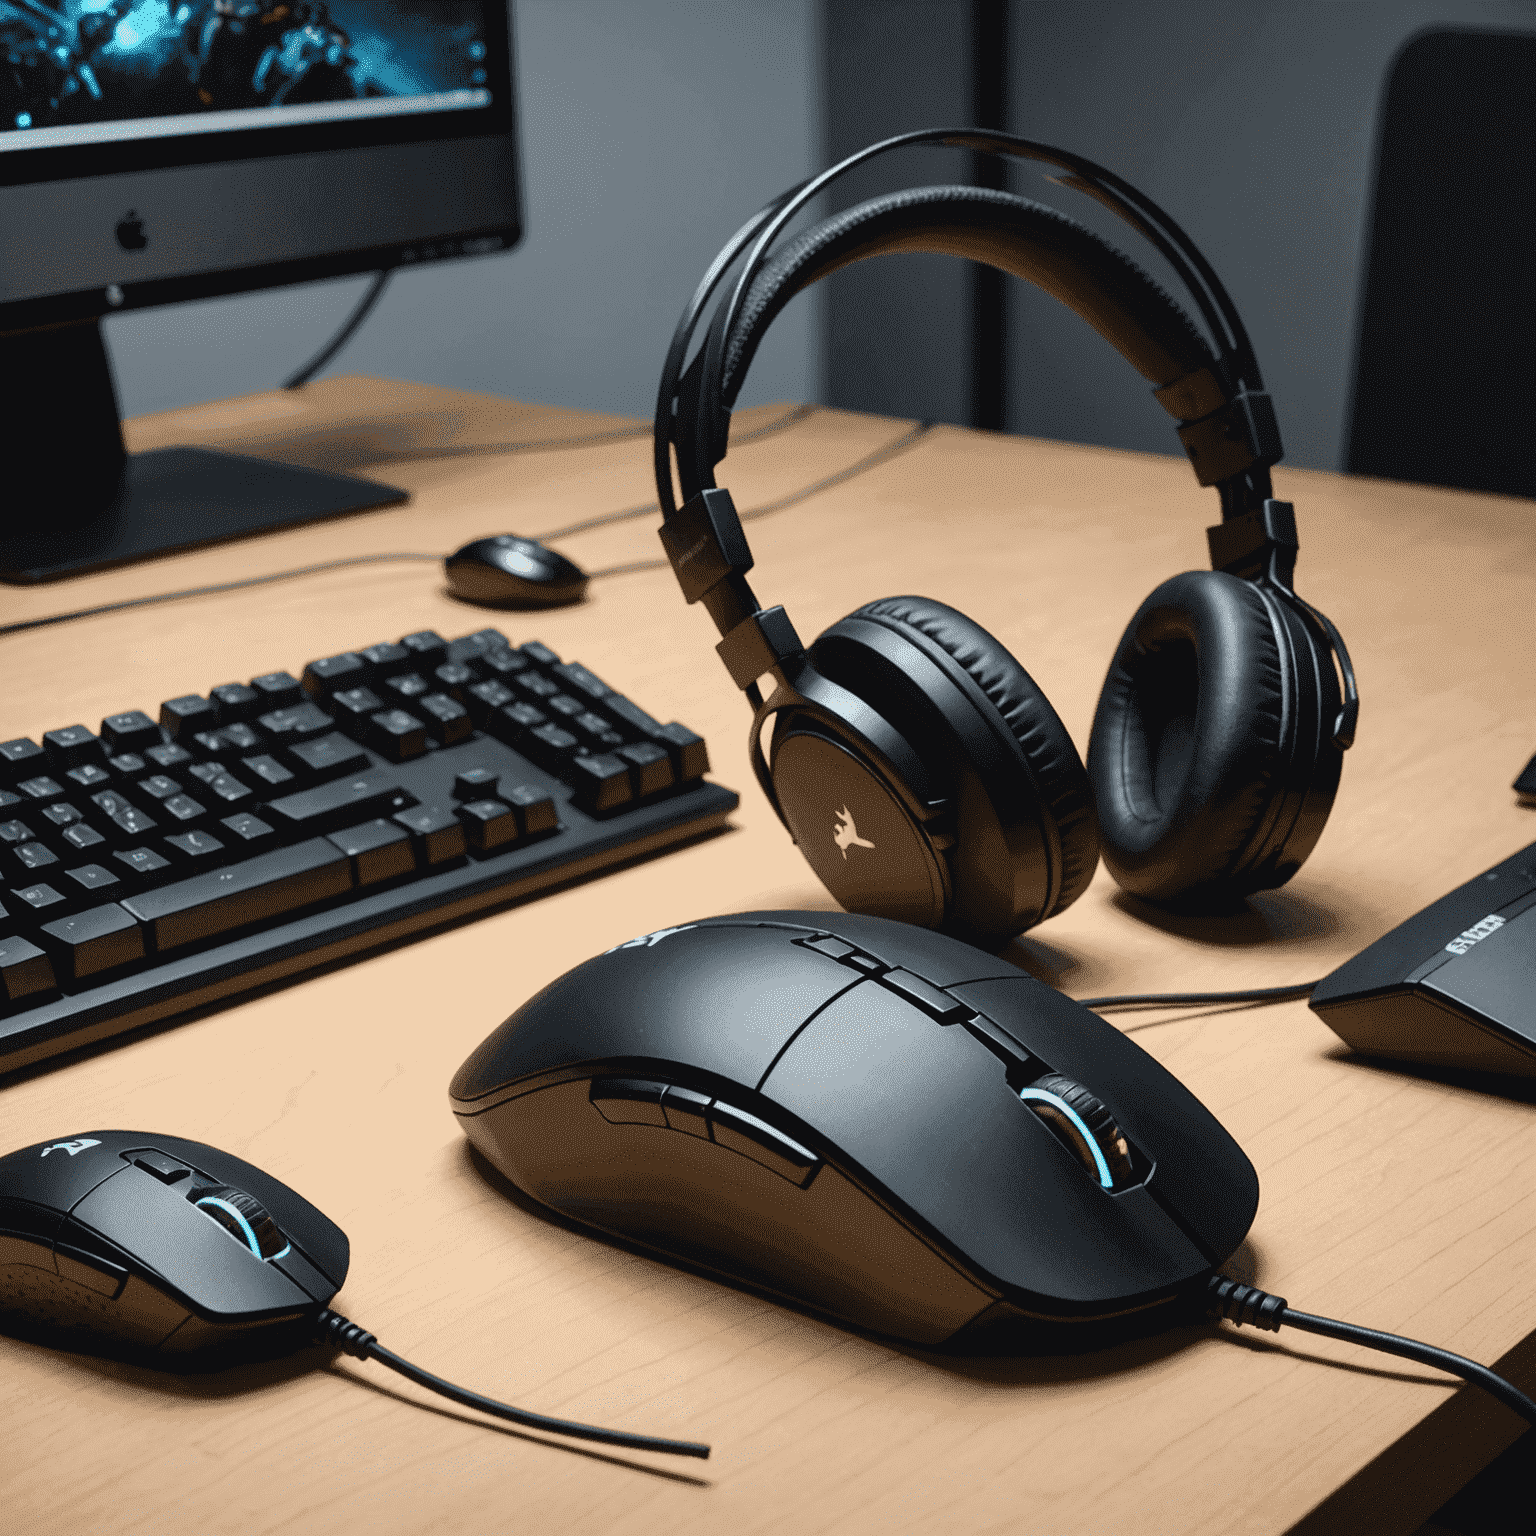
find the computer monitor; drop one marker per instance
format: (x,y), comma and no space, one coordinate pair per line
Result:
(153,151)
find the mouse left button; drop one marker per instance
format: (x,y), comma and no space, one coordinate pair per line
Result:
(59,1174)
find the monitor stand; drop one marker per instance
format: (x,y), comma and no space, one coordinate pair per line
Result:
(72,499)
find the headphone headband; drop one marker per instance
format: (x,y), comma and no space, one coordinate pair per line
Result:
(691,406)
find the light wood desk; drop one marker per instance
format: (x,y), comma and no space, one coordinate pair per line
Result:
(1388,1199)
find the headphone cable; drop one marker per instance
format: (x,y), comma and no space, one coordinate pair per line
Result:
(1194,999)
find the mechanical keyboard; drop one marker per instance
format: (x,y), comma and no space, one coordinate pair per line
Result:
(270,827)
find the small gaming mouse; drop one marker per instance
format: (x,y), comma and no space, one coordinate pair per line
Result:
(509,572)
(158,1242)
(870,1119)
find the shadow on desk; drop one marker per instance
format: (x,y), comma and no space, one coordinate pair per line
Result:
(1517,1090)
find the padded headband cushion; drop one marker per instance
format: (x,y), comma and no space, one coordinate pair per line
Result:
(1185,754)
(1027,713)
(1027,239)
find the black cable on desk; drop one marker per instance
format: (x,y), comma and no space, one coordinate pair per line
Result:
(1191,999)
(344,335)
(1242,1304)
(331,1328)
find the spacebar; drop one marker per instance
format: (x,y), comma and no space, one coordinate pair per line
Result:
(261,888)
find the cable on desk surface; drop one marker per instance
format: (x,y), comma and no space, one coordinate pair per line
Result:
(348,330)
(870,461)
(1240,1304)
(1194,999)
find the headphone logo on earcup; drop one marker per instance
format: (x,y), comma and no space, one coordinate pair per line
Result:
(846,835)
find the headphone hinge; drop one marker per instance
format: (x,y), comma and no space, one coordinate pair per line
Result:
(705,544)
(1242,433)
(759,644)
(1258,544)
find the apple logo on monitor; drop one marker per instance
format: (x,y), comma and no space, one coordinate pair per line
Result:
(130,232)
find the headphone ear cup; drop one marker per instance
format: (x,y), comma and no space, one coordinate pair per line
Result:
(1199,756)
(1026,841)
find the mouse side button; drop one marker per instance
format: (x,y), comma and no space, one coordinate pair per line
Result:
(754,1138)
(628,1101)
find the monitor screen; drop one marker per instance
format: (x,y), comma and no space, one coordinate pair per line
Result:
(160,149)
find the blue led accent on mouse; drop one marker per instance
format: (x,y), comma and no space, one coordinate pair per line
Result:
(246,1230)
(1062,1107)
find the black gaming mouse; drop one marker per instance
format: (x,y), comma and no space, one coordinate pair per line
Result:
(158,1242)
(509,572)
(870,1119)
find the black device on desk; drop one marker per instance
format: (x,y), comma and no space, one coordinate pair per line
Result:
(919,768)
(156,154)
(289,821)
(1454,985)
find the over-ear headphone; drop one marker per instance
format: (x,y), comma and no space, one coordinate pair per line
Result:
(923,774)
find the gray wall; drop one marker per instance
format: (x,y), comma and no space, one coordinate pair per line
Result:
(650,131)
(1254,126)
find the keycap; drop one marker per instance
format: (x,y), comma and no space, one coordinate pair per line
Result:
(19,759)
(536,686)
(143,866)
(255,890)
(499,666)
(549,747)
(188,715)
(575,677)
(601,782)
(235,702)
(353,707)
(632,717)
(169,756)
(30,859)
(535,809)
(489,640)
(8,799)
(124,820)
(224,789)
(268,772)
(38,901)
(397,735)
(690,756)
(537,651)
(513,721)
(130,731)
(322,678)
(404,687)
(386,657)
(83,838)
(563,705)
(277,690)
(437,834)
(650,767)
(454,679)
(40,789)
(127,765)
(340,803)
(193,850)
(90,776)
(427,647)
(327,756)
(595,730)
(62,814)
(448,719)
(159,786)
(182,811)
(246,833)
(299,723)
(484,699)
(90,881)
(72,745)
(239,737)
(379,850)
(14,833)
(25,970)
(488,825)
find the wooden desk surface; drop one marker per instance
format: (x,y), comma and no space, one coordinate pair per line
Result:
(1388,1199)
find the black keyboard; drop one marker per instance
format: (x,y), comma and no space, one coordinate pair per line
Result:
(266,827)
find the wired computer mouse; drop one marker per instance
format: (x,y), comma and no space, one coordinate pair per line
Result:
(872,1120)
(509,572)
(159,1242)
(171,1247)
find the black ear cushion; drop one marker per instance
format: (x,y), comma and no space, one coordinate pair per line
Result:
(1027,713)
(1186,754)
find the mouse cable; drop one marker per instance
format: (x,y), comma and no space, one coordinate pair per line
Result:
(221,586)
(1192,999)
(618,434)
(1241,1304)
(345,334)
(908,439)
(333,1329)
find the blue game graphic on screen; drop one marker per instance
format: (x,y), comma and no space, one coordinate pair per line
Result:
(104,71)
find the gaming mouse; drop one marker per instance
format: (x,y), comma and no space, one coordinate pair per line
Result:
(158,1242)
(509,572)
(873,1120)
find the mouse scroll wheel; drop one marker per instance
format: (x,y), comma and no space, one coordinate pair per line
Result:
(1083,1123)
(245,1218)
